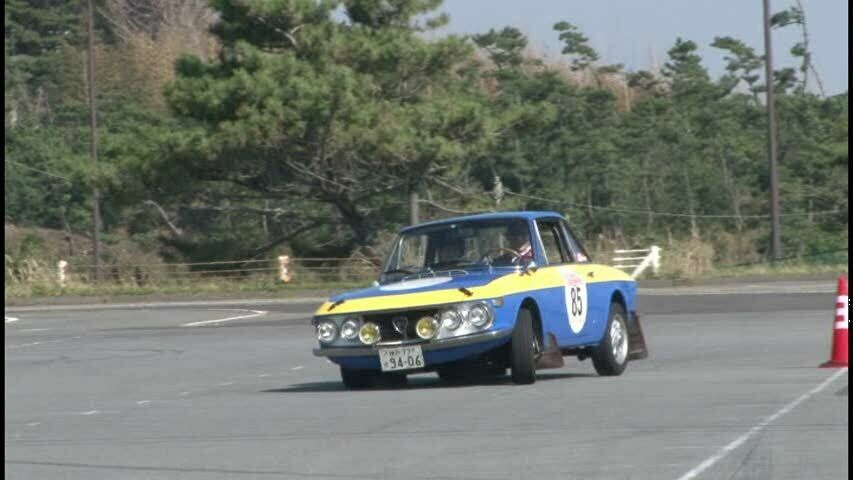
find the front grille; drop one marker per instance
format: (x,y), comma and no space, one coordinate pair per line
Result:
(386,327)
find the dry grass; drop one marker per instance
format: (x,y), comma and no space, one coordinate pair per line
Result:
(781,270)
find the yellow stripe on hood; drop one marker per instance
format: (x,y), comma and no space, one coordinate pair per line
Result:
(511,283)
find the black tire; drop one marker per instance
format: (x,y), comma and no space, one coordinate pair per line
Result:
(523,349)
(358,379)
(605,359)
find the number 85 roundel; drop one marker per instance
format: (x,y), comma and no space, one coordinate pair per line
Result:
(576,300)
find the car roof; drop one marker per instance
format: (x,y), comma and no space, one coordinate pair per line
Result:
(525,215)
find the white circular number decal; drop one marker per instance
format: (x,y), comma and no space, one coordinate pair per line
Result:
(576,300)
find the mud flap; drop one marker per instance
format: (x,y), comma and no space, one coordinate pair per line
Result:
(552,357)
(636,339)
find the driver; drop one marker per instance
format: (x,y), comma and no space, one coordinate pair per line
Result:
(518,239)
(451,251)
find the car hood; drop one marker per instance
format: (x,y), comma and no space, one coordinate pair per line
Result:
(420,285)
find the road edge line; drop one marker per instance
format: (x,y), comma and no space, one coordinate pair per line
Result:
(734,444)
(254,314)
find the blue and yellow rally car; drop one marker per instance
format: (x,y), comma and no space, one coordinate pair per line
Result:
(480,294)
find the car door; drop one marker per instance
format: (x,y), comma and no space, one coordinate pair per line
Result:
(567,310)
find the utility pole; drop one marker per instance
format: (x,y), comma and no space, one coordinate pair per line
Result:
(96,210)
(776,227)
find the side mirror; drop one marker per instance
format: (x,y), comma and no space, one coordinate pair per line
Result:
(375,283)
(529,267)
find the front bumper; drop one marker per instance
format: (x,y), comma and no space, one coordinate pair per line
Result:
(426,345)
(435,351)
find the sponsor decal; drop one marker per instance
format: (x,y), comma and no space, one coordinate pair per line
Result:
(576,299)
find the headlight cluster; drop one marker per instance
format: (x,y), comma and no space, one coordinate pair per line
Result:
(351,328)
(459,319)
(456,320)
(466,318)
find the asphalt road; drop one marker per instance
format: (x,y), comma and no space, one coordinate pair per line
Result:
(731,390)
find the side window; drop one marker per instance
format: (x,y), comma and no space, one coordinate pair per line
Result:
(577,250)
(554,248)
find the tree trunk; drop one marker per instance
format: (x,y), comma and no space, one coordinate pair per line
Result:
(648,196)
(811,211)
(229,220)
(265,220)
(69,239)
(731,186)
(589,202)
(694,227)
(357,222)
(414,206)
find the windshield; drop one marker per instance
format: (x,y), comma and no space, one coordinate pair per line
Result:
(461,245)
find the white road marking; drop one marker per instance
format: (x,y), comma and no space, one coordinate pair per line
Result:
(298,367)
(90,412)
(710,461)
(255,313)
(143,402)
(33,329)
(11,319)
(263,375)
(21,345)
(33,424)
(225,384)
(184,394)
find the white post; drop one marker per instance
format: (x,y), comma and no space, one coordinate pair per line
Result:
(61,270)
(655,258)
(284,268)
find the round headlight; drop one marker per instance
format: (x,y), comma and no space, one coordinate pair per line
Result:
(480,316)
(451,319)
(349,329)
(327,331)
(369,333)
(426,328)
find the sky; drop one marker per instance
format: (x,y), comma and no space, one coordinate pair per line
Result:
(638,33)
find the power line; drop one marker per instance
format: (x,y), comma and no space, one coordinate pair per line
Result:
(45,172)
(666,214)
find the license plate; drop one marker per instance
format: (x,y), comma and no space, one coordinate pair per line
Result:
(401,358)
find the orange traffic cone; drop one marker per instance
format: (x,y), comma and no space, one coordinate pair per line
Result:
(840,345)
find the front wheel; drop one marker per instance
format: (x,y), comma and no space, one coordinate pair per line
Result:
(610,357)
(523,349)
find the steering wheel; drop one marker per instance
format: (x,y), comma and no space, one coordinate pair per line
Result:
(488,255)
